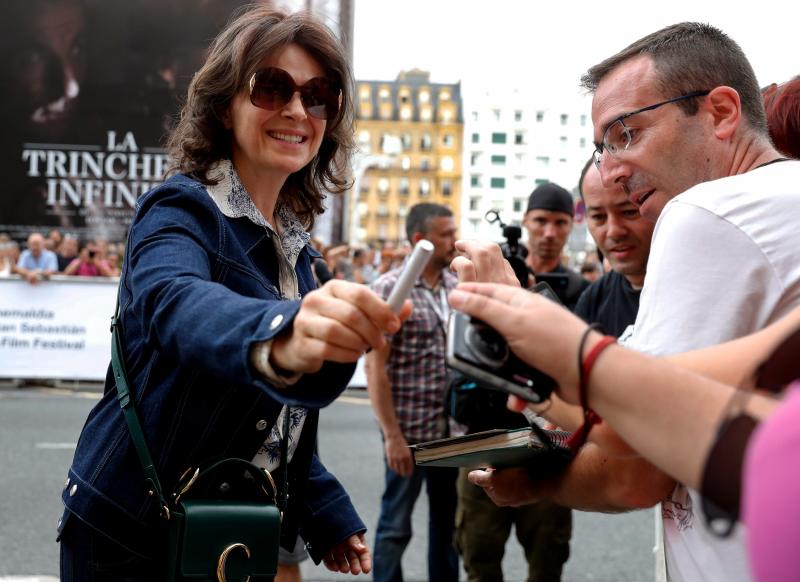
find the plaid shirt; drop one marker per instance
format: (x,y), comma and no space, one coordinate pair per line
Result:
(416,364)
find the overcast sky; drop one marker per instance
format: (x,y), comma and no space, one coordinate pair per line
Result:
(547,45)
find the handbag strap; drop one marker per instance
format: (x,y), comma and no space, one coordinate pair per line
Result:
(131,418)
(127,404)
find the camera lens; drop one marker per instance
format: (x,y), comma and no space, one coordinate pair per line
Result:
(488,346)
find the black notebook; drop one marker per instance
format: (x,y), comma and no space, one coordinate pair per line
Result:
(497,448)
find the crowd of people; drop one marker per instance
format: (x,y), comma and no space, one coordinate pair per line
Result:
(691,197)
(59,255)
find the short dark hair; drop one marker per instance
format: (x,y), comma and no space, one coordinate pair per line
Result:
(420,216)
(691,56)
(200,138)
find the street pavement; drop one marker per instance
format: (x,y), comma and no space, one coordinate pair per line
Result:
(39,428)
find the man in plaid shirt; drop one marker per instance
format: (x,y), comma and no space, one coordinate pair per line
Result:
(406,381)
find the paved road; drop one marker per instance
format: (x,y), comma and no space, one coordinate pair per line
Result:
(38,429)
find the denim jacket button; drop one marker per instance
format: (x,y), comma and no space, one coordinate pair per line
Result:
(276,321)
(66,484)
(261,424)
(74,490)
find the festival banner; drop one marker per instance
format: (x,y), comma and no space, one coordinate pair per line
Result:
(57,329)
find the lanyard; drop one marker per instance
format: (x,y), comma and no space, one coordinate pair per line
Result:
(439,305)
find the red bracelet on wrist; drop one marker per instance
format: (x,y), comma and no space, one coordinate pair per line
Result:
(590,417)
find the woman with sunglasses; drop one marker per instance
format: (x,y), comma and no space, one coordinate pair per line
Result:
(223,334)
(694,415)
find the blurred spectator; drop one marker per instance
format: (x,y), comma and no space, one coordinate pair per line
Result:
(54,239)
(90,263)
(782,104)
(343,269)
(363,269)
(9,255)
(387,261)
(36,262)
(590,271)
(66,252)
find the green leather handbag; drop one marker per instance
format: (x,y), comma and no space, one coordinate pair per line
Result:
(224,519)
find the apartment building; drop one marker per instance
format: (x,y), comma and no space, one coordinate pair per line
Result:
(513,142)
(409,133)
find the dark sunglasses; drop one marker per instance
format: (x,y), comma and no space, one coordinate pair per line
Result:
(273,88)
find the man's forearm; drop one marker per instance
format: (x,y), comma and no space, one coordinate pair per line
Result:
(599,481)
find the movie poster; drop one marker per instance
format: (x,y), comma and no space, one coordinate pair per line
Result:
(88,89)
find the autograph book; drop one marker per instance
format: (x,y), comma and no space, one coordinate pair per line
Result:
(497,448)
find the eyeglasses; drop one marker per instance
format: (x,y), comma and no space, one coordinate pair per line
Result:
(273,88)
(618,137)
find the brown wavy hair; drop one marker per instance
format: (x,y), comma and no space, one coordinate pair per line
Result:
(200,139)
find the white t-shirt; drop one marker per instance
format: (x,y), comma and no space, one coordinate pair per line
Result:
(724,263)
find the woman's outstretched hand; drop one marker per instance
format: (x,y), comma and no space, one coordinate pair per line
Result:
(337,322)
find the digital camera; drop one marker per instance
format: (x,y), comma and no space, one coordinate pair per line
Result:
(480,353)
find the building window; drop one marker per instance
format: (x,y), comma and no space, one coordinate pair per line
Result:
(518,115)
(403,186)
(405,163)
(476,138)
(425,142)
(383,185)
(405,113)
(564,118)
(475,181)
(424,96)
(447,163)
(497,183)
(517,204)
(498,138)
(405,141)
(363,137)
(543,160)
(473,158)
(384,94)
(563,140)
(383,210)
(474,202)
(447,188)
(424,187)
(448,140)
(583,120)
(365,184)
(474,116)
(540,181)
(425,164)
(496,113)
(519,138)
(364,93)
(426,114)
(583,142)
(444,95)
(498,160)
(475,224)
(539,116)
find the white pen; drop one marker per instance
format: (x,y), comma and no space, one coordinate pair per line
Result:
(405,283)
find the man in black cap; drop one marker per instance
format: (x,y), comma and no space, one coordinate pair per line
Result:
(548,221)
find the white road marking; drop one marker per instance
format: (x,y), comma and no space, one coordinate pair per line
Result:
(54,446)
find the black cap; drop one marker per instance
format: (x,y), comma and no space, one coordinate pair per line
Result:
(553,197)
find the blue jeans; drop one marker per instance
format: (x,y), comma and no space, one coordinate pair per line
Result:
(394,524)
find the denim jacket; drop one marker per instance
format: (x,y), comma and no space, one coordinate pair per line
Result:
(198,289)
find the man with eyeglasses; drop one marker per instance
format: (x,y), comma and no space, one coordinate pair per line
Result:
(679,123)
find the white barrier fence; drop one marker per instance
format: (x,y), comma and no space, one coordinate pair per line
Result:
(58,329)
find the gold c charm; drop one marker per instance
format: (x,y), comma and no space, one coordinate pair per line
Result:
(223,557)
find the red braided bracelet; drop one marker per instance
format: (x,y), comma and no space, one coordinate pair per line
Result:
(590,417)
